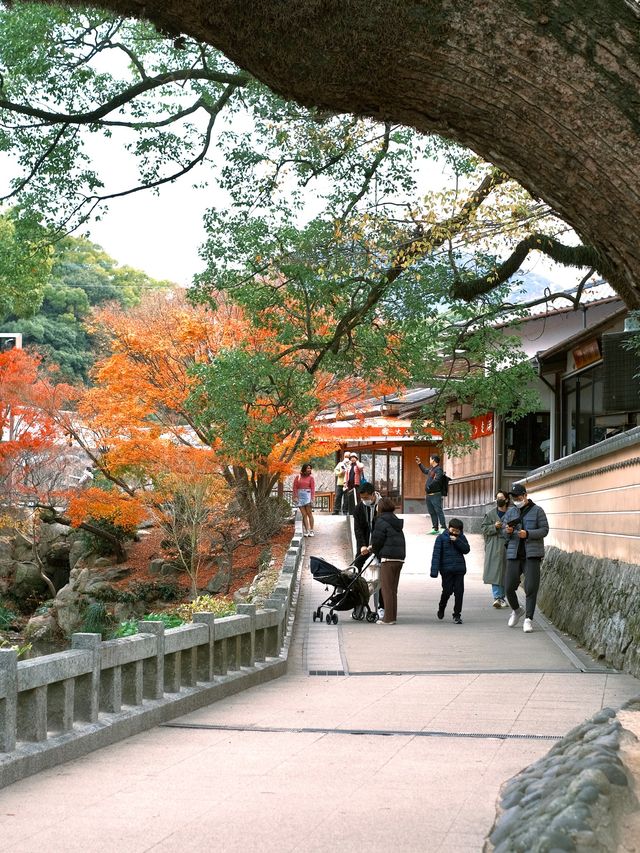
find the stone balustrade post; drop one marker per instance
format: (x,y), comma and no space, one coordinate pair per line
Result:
(248,640)
(86,692)
(154,667)
(275,636)
(8,699)
(206,654)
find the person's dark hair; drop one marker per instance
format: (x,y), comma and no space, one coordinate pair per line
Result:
(456,524)
(502,492)
(386,505)
(435,458)
(306,465)
(366,489)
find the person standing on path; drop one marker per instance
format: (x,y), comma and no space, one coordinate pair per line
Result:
(495,554)
(354,476)
(433,491)
(364,517)
(340,473)
(524,526)
(388,544)
(448,560)
(304,492)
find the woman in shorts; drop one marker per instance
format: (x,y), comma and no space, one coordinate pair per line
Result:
(304,492)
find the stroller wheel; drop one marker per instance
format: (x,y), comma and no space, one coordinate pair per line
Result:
(372,617)
(334,618)
(354,615)
(328,619)
(315,616)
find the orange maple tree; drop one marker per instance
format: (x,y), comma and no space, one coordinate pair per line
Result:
(183,376)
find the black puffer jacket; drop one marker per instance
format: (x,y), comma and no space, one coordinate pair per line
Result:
(387,539)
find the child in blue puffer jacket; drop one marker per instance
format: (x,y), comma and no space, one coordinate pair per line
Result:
(448,560)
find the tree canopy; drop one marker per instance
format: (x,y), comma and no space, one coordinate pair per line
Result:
(75,275)
(379,275)
(548,95)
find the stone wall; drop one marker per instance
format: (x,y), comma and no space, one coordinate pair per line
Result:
(597,601)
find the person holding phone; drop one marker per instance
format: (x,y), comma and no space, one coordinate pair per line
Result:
(433,492)
(524,526)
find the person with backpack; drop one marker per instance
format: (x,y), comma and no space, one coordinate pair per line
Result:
(448,560)
(434,486)
(524,527)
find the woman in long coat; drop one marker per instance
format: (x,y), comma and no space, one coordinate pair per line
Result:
(495,553)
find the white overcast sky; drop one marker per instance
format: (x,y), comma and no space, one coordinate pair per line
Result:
(162,233)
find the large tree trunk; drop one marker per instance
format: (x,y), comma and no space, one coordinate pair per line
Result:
(547,90)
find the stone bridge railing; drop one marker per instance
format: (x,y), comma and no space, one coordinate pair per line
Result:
(61,706)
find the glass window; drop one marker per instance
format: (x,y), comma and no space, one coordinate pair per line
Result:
(583,419)
(526,442)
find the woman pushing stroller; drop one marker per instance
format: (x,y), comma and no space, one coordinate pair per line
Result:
(388,544)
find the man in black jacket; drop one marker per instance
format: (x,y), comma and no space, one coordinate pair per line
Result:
(433,491)
(364,516)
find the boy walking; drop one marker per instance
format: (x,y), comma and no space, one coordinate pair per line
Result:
(448,560)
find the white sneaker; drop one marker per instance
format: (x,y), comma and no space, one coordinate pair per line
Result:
(381,613)
(527,626)
(516,616)
(305,534)
(311,533)
(503,603)
(496,603)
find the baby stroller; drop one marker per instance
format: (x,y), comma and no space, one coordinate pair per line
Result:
(351,591)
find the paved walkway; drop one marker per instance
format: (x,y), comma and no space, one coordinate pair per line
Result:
(405,750)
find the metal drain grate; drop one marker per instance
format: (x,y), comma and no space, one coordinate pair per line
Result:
(359,732)
(326,672)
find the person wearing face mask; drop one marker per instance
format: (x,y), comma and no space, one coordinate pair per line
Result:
(524,526)
(363,518)
(495,558)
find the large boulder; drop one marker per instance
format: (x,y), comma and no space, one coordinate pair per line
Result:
(27,581)
(41,627)
(22,547)
(51,536)
(77,550)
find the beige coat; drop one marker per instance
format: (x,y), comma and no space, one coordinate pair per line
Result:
(495,553)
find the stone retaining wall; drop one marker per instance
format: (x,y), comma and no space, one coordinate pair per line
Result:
(597,601)
(61,706)
(574,798)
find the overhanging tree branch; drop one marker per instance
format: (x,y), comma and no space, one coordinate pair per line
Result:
(573,256)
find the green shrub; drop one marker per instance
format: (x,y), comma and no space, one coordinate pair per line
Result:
(7,617)
(142,591)
(97,620)
(219,605)
(130,626)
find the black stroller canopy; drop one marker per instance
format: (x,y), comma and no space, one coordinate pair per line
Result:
(322,569)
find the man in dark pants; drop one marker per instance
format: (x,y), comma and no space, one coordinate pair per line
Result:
(524,526)
(433,490)
(363,519)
